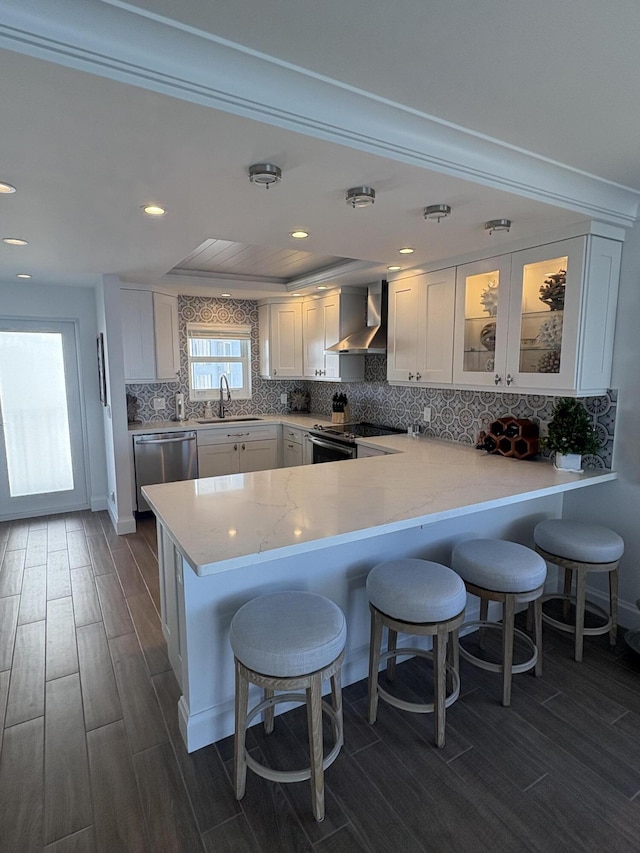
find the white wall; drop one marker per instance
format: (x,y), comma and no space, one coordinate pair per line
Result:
(617,504)
(77,304)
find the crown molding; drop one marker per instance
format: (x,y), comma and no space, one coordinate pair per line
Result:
(125,43)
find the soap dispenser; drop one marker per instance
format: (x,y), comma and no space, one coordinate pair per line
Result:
(180,410)
(208,411)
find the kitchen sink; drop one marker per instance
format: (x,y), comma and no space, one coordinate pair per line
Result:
(226,420)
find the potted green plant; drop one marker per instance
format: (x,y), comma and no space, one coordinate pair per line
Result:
(570,434)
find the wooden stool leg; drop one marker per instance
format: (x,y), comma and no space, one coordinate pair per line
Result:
(581,594)
(239,760)
(484,615)
(453,656)
(439,684)
(508,619)
(392,645)
(568,581)
(613,606)
(374,662)
(268,715)
(314,720)
(537,635)
(337,727)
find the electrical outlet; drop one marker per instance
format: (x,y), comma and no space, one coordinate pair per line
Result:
(426,414)
(158,404)
(284,399)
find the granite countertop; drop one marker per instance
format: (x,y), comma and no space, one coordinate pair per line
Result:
(225,523)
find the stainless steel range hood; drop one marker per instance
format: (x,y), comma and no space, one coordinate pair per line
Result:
(372,338)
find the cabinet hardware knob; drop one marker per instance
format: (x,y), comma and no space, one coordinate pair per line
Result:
(497,379)
(289,445)
(418,377)
(411,376)
(235,446)
(275,372)
(243,447)
(509,379)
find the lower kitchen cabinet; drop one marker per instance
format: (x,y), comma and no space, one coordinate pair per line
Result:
(237,451)
(296,447)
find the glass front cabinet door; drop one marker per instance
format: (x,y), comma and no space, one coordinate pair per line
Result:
(539,320)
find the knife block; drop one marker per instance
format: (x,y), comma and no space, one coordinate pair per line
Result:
(341,417)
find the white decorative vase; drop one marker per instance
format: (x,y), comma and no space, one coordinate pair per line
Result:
(568,462)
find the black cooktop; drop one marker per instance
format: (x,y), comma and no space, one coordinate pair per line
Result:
(349,432)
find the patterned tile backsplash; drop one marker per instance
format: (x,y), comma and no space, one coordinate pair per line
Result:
(456,415)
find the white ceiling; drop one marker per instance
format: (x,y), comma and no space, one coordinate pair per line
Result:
(86,151)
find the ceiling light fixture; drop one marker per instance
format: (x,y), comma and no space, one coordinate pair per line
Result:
(299,234)
(265,174)
(23,275)
(436,212)
(15,241)
(360,196)
(6,188)
(153,209)
(394,268)
(497,225)
(406,250)
(321,287)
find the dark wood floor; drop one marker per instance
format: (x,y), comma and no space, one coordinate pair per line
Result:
(92,759)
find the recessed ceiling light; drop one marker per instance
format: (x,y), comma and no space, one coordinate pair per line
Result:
(265,174)
(23,275)
(394,268)
(6,188)
(321,287)
(299,234)
(154,210)
(225,294)
(497,225)
(406,250)
(360,196)
(436,212)
(15,241)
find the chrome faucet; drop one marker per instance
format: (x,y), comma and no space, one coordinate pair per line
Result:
(223,379)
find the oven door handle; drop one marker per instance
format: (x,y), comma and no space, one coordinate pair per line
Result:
(330,445)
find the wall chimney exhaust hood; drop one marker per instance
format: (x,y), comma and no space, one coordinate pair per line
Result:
(372,338)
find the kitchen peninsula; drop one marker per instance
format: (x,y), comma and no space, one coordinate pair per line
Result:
(225,540)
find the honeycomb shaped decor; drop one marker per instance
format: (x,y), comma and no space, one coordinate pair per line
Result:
(516,437)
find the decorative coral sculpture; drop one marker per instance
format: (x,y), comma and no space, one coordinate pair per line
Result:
(552,291)
(550,334)
(489,298)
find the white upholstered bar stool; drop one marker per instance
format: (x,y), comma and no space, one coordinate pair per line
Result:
(419,598)
(289,641)
(506,572)
(579,547)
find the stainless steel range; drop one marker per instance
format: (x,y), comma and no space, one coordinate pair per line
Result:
(338,441)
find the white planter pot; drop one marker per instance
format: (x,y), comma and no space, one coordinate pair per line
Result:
(569,462)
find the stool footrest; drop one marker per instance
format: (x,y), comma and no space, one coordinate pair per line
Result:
(498,667)
(571,629)
(293,775)
(418,707)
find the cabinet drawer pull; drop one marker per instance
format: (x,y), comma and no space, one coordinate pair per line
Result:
(236,434)
(289,445)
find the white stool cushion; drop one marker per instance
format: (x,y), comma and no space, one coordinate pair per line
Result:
(577,540)
(413,590)
(288,633)
(499,565)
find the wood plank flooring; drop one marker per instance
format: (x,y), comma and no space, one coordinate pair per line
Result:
(92,761)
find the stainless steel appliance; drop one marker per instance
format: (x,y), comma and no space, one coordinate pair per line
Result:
(163,457)
(338,441)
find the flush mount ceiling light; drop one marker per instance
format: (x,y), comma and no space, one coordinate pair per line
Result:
(15,241)
(436,212)
(394,268)
(299,234)
(406,250)
(497,225)
(265,174)
(6,188)
(153,209)
(23,275)
(360,196)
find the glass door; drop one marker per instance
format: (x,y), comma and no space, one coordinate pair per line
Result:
(41,443)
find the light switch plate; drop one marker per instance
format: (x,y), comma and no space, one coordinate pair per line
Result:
(426,414)
(284,399)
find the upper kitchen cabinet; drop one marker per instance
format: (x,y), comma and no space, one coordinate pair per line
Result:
(539,320)
(280,325)
(325,321)
(150,336)
(420,329)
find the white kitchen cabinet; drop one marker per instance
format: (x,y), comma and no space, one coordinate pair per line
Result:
(325,321)
(150,336)
(292,446)
(171,593)
(280,329)
(420,328)
(539,320)
(237,450)
(365,452)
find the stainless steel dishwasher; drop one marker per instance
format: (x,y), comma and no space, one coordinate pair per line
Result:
(163,457)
